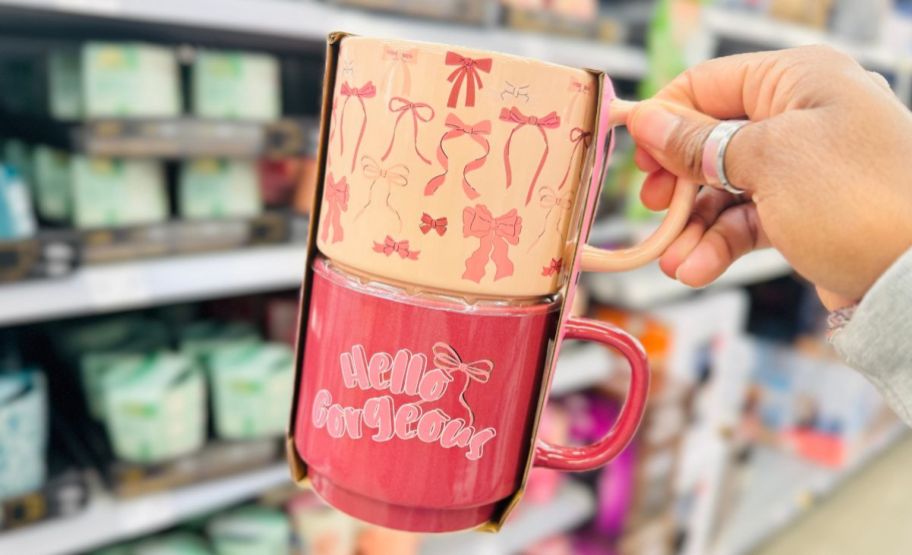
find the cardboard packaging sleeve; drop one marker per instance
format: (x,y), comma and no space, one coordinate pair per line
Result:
(579,229)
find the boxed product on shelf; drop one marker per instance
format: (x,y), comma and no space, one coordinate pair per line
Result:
(23,432)
(320,528)
(376,540)
(250,385)
(239,85)
(16,217)
(815,407)
(49,254)
(117,192)
(53,185)
(218,188)
(129,79)
(250,530)
(174,543)
(202,339)
(282,318)
(155,407)
(18,154)
(65,83)
(481,12)
(66,493)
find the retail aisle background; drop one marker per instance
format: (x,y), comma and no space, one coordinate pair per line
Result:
(156,175)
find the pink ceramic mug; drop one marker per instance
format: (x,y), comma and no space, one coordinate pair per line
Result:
(457,170)
(417,412)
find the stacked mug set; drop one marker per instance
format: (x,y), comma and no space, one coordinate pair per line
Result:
(457,188)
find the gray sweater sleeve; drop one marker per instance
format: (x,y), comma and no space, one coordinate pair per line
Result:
(877,340)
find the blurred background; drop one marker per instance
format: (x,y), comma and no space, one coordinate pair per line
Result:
(156,174)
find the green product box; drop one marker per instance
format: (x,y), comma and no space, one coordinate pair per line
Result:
(129,80)
(53,183)
(201,339)
(237,85)
(155,407)
(18,154)
(17,219)
(219,188)
(175,543)
(65,84)
(116,192)
(250,530)
(251,387)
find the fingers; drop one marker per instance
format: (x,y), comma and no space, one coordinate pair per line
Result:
(711,247)
(709,205)
(657,190)
(674,138)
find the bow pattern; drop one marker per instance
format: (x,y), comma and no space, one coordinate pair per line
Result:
(495,235)
(400,58)
(437,224)
(420,112)
(579,137)
(514,115)
(335,196)
(553,268)
(466,71)
(349,92)
(458,128)
(390,246)
(447,359)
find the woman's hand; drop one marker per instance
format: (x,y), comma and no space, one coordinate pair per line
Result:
(826,163)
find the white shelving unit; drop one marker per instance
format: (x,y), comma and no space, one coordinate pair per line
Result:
(109,287)
(580,367)
(109,520)
(312,21)
(782,487)
(531,523)
(648,286)
(745,26)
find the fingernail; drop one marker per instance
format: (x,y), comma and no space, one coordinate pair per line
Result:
(652,126)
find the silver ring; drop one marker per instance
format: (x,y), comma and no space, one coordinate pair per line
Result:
(714,155)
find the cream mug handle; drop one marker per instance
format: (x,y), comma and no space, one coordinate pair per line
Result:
(595,259)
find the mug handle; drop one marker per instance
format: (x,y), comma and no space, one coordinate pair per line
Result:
(589,457)
(594,259)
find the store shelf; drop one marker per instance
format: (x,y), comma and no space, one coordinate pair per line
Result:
(580,367)
(744,26)
(109,520)
(142,283)
(648,286)
(311,21)
(781,487)
(572,506)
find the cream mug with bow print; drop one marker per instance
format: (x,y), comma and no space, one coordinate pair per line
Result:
(458,170)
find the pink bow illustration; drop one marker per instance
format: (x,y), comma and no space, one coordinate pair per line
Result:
(390,246)
(419,111)
(335,195)
(400,58)
(514,115)
(393,175)
(578,137)
(457,128)
(581,89)
(428,223)
(468,72)
(549,199)
(553,268)
(367,91)
(495,236)
(447,359)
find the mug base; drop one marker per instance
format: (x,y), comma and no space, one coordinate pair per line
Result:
(401,517)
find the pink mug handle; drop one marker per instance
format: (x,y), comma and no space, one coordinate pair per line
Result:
(589,457)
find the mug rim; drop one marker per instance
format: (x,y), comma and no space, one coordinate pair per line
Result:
(433,300)
(476,52)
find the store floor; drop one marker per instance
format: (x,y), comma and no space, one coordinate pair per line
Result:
(871,513)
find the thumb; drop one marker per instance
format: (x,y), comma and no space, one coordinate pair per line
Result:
(674,136)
